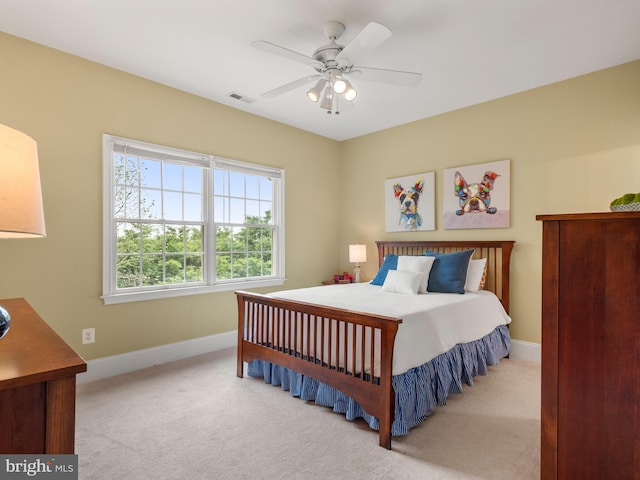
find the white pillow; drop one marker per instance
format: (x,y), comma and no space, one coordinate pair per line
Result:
(402,281)
(417,263)
(475,271)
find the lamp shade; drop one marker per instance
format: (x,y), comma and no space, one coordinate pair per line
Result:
(339,84)
(21,212)
(357,253)
(350,93)
(315,92)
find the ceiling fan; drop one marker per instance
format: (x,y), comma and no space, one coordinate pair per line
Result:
(334,65)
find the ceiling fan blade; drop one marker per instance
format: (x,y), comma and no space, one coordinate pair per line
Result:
(369,37)
(393,77)
(286,53)
(289,86)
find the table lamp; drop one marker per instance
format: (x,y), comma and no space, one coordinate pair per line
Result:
(21,212)
(357,254)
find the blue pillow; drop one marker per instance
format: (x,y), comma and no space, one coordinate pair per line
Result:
(390,263)
(449,271)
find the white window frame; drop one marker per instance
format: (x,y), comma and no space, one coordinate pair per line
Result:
(113,295)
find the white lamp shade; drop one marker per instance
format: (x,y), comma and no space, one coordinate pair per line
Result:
(315,92)
(357,253)
(21,212)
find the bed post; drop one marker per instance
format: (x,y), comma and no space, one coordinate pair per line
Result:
(386,421)
(241,317)
(388,412)
(506,269)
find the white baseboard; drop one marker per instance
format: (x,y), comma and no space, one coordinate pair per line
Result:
(526,351)
(106,367)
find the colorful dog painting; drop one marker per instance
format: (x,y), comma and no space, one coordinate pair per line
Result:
(474,197)
(408,197)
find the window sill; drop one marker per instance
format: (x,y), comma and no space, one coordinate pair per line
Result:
(142,296)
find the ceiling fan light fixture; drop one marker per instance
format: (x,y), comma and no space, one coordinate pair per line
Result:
(315,92)
(339,84)
(350,93)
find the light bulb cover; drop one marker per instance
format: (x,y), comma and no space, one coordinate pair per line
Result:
(339,84)
(315,92)
(350,93)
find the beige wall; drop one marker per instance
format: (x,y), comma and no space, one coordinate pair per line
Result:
(573,146)
(66,104)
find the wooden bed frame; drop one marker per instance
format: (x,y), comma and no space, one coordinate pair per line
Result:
(277,331)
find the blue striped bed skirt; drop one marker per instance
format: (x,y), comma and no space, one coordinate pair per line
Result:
(418,391)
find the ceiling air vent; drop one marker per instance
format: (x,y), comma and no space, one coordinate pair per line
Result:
(237,96)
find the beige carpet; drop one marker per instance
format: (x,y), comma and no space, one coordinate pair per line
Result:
(194,419)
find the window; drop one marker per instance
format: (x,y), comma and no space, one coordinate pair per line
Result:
(181,223)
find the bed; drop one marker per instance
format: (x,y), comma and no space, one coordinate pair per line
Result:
(360,360)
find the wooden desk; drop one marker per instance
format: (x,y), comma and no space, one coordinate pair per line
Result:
(37,385)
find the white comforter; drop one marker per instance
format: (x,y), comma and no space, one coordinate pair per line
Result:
(432,323)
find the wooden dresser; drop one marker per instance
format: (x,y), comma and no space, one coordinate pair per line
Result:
(37,385)
(590,346)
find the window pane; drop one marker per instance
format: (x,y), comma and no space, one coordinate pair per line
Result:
(221,182)
(238,266)
(120,201)
(267,240)
(223,266)
(236,184)
(150,173)
(266,264)
(223,240)
(237,210)
(253,212)
(266,188)
(221,209)
(192,207)
(265,213)
(192,179)
(174,269)
(127,271)
(172,206)
(150,202)
(254,239)
(253,186)
(194,240)
(174,239)
(127,237)
(239,239)
(171,176)
(254,265)
(131,172)
(193,272)
(152,270)
(152,239)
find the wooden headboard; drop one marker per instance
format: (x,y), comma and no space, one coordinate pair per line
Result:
(497,253)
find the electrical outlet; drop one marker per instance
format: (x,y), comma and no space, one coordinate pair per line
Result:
(88,335)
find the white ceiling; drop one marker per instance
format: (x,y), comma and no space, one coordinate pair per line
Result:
(468,51)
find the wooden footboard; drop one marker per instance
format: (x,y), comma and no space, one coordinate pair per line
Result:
(350,351)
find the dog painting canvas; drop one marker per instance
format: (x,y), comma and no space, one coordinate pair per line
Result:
(410,203)
(477,196)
